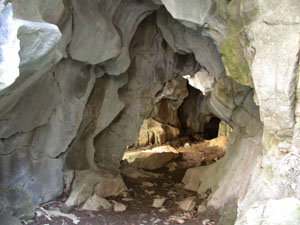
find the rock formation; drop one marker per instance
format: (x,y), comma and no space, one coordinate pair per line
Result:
(82,76)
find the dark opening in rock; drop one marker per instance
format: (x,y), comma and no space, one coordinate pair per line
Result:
(211,128)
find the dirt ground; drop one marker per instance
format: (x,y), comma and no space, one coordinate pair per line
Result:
(139,198)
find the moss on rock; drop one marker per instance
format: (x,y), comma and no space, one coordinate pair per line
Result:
(234,46)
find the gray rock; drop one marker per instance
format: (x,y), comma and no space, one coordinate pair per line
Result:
(103,36)
(16,202)
(95,202)
(135,173)
(187,204)
(87,183)
(276,212)
(51,118)
(168,101)
(202,81)
(158,202)
(231,175)
(201,209)
(119,207)
(197,13)
(55,117)
(7,219)
(9,47)
(154,132)
(150,160)
(110,187)
(186,40)
(42,51)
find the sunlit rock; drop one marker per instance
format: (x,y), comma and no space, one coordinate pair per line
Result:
(9,48)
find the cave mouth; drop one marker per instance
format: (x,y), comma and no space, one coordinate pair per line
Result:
(211,128)
(154,166)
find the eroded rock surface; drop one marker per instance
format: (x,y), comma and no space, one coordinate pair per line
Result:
(91,72)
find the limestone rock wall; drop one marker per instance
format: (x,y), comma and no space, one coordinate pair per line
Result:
(91,71)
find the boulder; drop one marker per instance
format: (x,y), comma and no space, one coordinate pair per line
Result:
(87,183)
(151,160)
(154,132)
(110,187)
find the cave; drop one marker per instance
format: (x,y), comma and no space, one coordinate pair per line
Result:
(208,89)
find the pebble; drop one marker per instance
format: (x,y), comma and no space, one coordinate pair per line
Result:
(201,208)
(181,221)
(147,184)
(163,210)
(156,221)
(177,219)
(187,204)
(203,195)
(207,222)
(158,202)
(187,145)
(149,192)
(172,166)
(127,199)
(172,192)
(179,185)
(166,185)
(119,207)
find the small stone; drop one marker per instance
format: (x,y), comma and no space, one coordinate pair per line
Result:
(171,166)
(181,221)
(201,208)
(203,195)
(187,145)
(127,199)
(119,207)
(147,184)
(179,185)
(164,185)
(206,222)
(95,202)
(158,202)
(172,169)
(187,204)
(172,192)
(163,210)
(156,221)
(149,192)
(177,219)
(187,215)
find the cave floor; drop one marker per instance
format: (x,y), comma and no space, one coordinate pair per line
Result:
(142,191)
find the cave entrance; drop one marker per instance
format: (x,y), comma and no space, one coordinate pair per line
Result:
(211,128)
(154,166)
